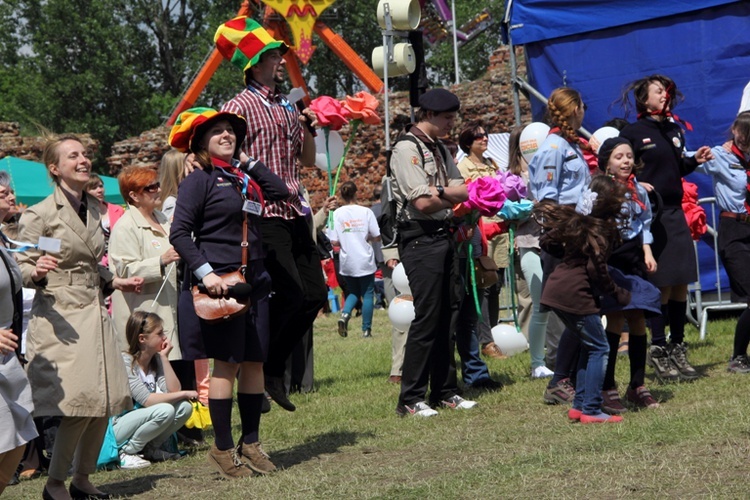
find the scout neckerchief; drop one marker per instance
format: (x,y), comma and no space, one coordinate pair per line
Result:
(668,114)
(741,158)
(630,185)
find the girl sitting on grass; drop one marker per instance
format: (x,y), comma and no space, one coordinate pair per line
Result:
(587,234)
(161,407)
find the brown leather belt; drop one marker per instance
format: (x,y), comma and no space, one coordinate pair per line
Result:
(738,217)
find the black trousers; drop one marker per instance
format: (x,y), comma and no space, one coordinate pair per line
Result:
(299,290)
(432,268)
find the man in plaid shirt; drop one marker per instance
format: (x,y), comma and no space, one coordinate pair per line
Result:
(276,135)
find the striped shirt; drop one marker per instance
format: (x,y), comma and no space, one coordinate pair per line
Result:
(275,137)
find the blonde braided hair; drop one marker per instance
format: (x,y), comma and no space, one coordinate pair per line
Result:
(561,105)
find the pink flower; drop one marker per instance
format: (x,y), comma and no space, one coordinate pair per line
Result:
(330,112)
(363,107)
(486,196)
(513,185)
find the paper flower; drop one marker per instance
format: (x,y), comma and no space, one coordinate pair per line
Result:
(362,107)
(586,202)
(330,112)
(695,215)
(513,185)
(516,210)
(486,196)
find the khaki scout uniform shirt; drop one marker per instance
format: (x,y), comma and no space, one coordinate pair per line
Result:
(413,175)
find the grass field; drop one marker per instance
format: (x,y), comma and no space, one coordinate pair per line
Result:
(344,440)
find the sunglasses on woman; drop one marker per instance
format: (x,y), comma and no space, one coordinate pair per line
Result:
(479,136)
(152,188)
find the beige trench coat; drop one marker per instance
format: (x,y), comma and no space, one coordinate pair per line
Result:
(134,250)
(75,367)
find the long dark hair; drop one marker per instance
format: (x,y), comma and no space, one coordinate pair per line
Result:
(639,88)
(590,236)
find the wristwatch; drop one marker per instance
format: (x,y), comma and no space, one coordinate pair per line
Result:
(440,190)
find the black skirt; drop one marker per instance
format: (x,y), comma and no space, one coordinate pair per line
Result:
(244,338)
(673,249)
(734,252)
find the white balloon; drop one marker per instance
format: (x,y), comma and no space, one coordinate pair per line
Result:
(400,281)
(401,311)
(603,134)
(335,150)
(509,340)
(532,136)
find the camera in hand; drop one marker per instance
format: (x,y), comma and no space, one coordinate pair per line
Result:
(237,291)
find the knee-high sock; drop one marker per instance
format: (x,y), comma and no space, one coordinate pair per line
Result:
(637,345)
(609,374)
(250,405)
(221,418)
(742,334)
(677,321)
(658,325)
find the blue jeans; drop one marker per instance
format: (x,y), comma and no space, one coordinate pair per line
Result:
(361,286)
(473,367)
(592,362)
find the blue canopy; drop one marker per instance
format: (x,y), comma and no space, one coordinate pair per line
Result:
(32,183)
(599,46)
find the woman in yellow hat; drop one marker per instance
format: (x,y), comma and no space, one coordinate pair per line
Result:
(213,205)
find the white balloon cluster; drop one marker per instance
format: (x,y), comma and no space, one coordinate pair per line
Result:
(401,312)
(508,339)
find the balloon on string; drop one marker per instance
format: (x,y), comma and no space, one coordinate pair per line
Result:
(601,135)
(401,311)
(532,136)
(400,281)
(335,150)
(508,339)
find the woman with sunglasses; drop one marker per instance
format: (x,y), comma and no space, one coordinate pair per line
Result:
(139,246)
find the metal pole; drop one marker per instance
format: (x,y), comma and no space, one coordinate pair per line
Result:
(386,57)
(455,42)
(514,74)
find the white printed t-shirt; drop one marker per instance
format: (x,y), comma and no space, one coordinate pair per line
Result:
(352,226)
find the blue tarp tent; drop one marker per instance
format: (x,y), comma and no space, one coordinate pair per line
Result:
(32,183)
(598,46)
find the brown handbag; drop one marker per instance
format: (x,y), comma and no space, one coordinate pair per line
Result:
(485,270)
(213,309)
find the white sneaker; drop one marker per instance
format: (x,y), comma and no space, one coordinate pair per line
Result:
(420,409)
(128,461)
(458,403)
(541,372)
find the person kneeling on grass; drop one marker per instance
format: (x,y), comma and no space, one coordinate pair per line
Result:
(160,406)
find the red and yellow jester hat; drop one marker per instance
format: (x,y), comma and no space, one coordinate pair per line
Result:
(242,41)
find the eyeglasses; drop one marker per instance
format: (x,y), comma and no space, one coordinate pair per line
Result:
(585,106)
(479,136)
(152,188)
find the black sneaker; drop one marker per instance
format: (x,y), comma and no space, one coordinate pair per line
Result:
(739,364)
(658,358)
(486,384)
(678,358)
(344,324)
(367,334)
